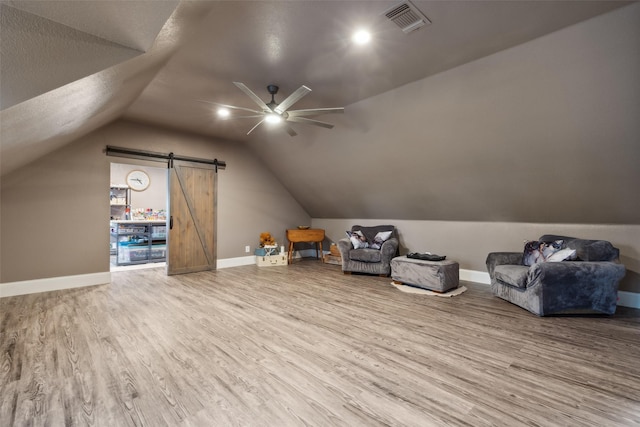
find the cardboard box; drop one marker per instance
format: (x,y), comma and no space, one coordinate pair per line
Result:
(271,260)
(333,249)
(332,259)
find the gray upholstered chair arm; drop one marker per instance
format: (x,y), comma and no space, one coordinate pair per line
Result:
(571,286)
(389,249)
(581,273)
(344,246)
(502,258)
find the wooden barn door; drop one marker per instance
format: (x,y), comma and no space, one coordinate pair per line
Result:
(191,242)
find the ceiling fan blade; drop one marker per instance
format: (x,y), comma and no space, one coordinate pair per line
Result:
(253,96)
(290,131)
(257,124)
(310,122)
(233,107)
(254,116)
(315,111)
(292,99)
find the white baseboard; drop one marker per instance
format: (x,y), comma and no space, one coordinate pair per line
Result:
(235,262)
(628,299)
(475,276)
(9,289)
(24,287)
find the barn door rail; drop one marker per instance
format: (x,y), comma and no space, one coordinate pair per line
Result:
(155,156)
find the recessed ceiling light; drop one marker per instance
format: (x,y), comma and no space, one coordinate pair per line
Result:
(361,37)
(223,112)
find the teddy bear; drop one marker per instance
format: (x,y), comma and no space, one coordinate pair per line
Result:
(266,239)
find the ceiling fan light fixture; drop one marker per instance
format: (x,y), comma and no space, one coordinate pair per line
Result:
(273,118)
(274,113)
(223,113)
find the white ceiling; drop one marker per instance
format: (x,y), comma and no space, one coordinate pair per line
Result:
(69,67)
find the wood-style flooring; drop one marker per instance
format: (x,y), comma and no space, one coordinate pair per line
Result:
(305,345)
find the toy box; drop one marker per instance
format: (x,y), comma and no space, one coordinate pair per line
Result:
(271,260)
(267,250)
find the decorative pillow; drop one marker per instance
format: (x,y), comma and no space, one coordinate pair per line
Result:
(357,239)
(551,248)
(532,253)
(562,255)
(537,251)
(380,238)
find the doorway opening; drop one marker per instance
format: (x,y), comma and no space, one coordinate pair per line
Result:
(188,239)
(138,199)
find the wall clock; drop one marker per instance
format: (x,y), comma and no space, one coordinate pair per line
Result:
(138,180)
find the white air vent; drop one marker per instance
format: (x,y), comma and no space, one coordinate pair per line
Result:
(406,16)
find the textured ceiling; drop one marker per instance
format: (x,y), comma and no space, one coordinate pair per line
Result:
(46,45)
(59,82)
(134,24)
(290,43)
(73,66)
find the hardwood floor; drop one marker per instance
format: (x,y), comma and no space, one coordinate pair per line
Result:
(306,345)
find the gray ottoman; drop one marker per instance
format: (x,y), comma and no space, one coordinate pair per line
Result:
(439,276)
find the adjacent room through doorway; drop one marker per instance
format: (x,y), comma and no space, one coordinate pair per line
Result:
(138,199)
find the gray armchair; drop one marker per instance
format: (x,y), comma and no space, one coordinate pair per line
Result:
(588,284)
(368,260)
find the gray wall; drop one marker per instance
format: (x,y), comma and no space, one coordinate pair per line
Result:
(545,132)
(155,196)
(55,211)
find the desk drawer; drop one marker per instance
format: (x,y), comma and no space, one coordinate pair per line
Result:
(310,235)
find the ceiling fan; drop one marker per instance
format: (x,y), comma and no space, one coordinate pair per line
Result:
(273,112)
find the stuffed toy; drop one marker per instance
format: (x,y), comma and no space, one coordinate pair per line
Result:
(266,239)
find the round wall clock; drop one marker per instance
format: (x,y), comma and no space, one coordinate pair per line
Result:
(138,180)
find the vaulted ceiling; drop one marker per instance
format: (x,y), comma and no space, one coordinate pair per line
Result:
(69,67)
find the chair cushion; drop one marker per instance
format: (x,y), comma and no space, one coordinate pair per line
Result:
(365,255)
(513,275)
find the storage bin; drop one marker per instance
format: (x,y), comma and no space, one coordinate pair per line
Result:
(268,250)
(138,254)
(158,252)
(332,259)
(270,261)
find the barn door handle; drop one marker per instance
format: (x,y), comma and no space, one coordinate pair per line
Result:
(171,222)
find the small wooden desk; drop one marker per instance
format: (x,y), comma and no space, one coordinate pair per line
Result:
(297,235)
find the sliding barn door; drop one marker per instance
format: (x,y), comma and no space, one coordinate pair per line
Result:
(192,218)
